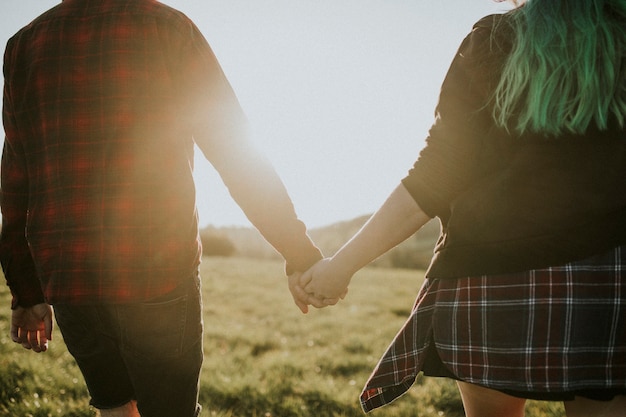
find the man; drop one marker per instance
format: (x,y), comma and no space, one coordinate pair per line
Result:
(103,102)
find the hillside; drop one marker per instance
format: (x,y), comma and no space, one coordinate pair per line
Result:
(415,252)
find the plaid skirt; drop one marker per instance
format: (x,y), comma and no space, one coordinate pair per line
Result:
(546,334)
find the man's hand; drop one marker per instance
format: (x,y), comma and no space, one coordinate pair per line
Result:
(321,286)
(297,292)
(324,284)
(32,327)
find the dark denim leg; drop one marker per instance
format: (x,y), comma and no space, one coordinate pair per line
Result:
(161,343)
(90,339)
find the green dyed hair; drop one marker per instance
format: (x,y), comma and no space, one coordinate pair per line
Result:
(566,69)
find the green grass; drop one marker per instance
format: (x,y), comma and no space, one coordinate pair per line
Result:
(263,358)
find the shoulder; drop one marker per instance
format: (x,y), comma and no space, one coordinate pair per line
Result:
(174,20)
(487,45)
(491,34)
(496,24)
(41,19)
(163,11)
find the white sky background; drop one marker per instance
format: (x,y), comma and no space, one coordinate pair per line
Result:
(340,93)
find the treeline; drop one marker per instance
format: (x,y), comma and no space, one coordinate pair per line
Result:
(414,253)
(215,243)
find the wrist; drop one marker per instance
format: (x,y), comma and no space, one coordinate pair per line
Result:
(342,266)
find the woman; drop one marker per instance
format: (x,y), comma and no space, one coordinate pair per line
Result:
(525,166)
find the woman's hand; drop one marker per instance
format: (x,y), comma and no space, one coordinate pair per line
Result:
(325,283)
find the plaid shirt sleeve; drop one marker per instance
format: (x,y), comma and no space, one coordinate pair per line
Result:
(222,135)
(15,256)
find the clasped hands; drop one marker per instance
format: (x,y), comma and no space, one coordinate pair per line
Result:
(323,285)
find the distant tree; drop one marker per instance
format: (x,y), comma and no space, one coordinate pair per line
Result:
(215,243)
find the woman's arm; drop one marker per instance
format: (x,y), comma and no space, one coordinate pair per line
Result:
(395,221)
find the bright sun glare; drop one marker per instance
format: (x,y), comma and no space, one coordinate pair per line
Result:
(340,94)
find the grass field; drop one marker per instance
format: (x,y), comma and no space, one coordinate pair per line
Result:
(263,358)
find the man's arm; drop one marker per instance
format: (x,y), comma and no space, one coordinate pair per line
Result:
(220,129)
(258,190)
(31,318)
(15,257)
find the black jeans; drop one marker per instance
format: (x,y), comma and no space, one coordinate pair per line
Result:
(149,351)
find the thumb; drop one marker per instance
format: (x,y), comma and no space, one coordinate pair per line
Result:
(343,294)
(306,278)
(15,333)
(47,322)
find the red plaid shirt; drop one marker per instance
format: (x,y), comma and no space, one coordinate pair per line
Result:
(103,102)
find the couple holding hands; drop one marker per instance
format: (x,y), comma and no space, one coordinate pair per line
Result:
(524,167)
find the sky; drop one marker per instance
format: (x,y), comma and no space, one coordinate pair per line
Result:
(340,94)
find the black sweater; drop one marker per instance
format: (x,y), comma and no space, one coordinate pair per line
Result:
(509,203)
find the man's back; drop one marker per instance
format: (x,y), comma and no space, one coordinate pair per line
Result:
(97,113)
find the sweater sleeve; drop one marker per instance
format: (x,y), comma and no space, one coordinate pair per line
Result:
(450,162)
